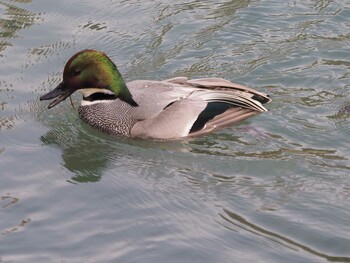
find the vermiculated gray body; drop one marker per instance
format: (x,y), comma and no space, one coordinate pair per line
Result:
(111,117)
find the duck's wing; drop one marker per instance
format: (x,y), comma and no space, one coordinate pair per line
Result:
(164,111)
(173,122)
(182,107)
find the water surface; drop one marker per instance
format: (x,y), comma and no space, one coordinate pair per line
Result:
(275,188)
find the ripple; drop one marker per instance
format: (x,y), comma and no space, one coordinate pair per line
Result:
(14,20)
(12,201)
(240,222)
(276,186)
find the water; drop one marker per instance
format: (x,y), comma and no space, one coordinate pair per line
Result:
(275,188)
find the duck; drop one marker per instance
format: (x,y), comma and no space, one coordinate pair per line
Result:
(169,109)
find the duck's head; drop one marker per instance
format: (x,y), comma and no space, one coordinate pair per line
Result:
(90,71)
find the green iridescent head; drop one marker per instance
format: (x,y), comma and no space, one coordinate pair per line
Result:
(90,69)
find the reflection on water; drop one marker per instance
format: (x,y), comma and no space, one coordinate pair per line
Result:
(240,222)
(250,143)
(13,20)
(88,153)
(7,91)
(345,109)
(10,200)
(282,177)
(86,159)
(193,49)
(16,228)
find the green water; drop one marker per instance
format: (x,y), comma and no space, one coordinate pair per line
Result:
(275,188)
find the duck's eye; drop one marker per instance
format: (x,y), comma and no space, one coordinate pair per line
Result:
(76,71)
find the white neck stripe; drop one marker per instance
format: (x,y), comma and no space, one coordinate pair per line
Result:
(87,103)
(89,91)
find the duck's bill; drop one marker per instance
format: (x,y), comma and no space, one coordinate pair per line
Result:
(59,94)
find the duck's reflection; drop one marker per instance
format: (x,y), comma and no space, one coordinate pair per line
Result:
(85,156)
(88,153)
